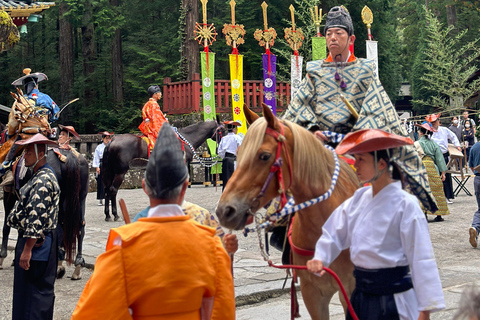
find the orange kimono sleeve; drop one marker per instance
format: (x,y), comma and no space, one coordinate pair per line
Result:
(224,301)
(104,295)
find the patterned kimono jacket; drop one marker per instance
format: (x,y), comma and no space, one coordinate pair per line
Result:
(318,103)
(153,119)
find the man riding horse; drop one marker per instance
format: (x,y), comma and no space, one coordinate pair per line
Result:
(153,117)
(31,113)
(342,93)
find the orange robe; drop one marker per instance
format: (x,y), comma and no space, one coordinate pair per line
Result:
(160,268)
(153,119)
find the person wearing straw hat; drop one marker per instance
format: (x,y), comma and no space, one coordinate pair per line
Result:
(67,133)
(227,150)
(153,117)
(434,163)
(343,93)
(441,136)
(395,270)
(35,217)
(97,164)
(43,104)
(164,266)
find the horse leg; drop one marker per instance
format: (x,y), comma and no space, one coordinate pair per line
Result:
(79,261)
(60,252)
(316,297)
(117,182)
(8,202)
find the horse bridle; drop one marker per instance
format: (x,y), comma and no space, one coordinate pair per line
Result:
(276,168)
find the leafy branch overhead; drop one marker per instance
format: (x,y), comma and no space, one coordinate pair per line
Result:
(449,66)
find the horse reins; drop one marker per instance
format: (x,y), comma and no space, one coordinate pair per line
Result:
(276,168)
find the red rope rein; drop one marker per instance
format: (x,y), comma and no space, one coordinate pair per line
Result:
(328,270)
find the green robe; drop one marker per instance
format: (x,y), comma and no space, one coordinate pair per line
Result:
(317,103)
(431,149)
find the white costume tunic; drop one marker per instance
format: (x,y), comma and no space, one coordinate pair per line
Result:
(230,144)
(386,231)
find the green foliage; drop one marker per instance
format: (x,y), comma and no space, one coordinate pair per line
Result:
(449,62)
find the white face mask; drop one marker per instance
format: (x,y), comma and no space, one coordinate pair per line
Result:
(455,122)
(467,125)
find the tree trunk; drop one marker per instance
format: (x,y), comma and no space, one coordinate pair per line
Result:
(190,58)
(452,17)
(65,48)
(117,64)
(89,56)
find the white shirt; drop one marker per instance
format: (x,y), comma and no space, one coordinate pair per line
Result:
(386,231)
(230,144)
(442,136)
(165,210)
(98,155)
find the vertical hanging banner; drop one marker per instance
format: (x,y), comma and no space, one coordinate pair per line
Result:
(296,64)
(372,46)
(208,85)
(372,53)
(236,78)
(205,34)
(270,81)
(266,38)
(319,43)
(294,39)
(234,34)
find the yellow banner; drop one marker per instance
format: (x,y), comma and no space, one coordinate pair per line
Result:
(236,78)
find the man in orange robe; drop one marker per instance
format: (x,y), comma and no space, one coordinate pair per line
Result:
(164,266)
(153,117)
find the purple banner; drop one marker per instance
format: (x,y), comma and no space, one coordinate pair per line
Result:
(269,81)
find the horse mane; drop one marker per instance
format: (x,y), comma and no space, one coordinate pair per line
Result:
(312,163)
(193,128)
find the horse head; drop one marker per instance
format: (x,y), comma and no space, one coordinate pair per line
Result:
(247,189)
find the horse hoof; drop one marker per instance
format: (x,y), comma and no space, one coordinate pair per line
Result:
(108,219)
(116,218)
(77,274)
(1,263)
(13,263)
(60,272)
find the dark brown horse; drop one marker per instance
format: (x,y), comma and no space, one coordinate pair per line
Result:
(72,177)
(123,148)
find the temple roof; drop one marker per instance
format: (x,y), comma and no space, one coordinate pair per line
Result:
(22,9)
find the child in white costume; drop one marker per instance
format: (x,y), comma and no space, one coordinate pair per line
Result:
(387,233)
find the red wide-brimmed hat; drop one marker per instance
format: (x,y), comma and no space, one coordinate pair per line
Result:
(426,125)
(433,117)
(233,123)
(368,140)
(37,139)
(69,129)
(106,133)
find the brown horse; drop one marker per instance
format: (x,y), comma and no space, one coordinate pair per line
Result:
(119,153)
(312,166)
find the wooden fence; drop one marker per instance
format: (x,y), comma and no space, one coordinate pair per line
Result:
(185,96)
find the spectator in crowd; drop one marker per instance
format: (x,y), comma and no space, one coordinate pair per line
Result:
(473,162)
(456,128)
(97,164)
(469,137)
(467,119)
(441,136)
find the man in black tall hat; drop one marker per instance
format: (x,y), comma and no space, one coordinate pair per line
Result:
(343,93)
(165,265)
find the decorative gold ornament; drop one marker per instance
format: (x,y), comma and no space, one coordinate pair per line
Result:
(367,16)
(293,37)
(317,18)
(265,37)
(234,33)
(205,33)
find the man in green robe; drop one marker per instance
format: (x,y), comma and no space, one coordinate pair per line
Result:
(321,103)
